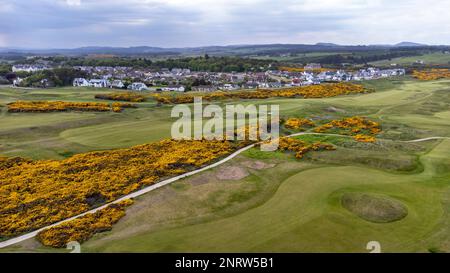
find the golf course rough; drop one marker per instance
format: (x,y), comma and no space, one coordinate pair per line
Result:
(373,208)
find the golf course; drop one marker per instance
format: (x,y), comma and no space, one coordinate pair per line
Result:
(395,191)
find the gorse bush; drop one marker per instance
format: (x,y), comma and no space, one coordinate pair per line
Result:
(62,106)
(122,96)
(362,129)
(431,74)
(298,123)
(83,228)
(313,91)
(300,147)
(34,194)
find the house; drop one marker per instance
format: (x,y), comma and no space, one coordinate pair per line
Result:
(29,68)
(117,84)
(204,88)
(229,86)
(99,83)
(80,82)
(138,86)
(178,88)
(17,81)
(275,85)
(251,85)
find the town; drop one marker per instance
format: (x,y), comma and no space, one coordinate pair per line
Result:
(183,80)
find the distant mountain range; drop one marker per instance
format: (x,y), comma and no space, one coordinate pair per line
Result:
(409,44)
(213,50)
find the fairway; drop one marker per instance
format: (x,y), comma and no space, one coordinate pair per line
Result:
(288,206)
(432,58)
(304,213)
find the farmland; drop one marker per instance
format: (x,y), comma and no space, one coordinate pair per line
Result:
(279,203)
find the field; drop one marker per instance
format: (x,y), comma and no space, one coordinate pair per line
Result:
(431,58)
(276,203)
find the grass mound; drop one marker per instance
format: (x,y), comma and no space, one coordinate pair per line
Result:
(373,208)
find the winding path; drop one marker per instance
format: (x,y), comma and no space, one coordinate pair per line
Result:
(166,182)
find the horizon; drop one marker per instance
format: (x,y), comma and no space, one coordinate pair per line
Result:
(224,45)
(68,24)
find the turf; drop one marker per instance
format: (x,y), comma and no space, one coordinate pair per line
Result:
(376,209)
(432,58)
(295,206)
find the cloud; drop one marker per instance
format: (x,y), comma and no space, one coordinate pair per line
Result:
(173,23)
(73,2)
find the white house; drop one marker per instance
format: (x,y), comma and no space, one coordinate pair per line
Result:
(80,82)
(229,86)
(17,81)
(117,84)
(99,83)
(138,86)
(178,88)
(29,67)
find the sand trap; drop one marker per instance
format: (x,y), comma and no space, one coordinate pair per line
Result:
(231,173)
(258,165)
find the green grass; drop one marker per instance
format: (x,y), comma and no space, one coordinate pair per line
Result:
(432,58)
(301,216)
(293,207)
(374,208)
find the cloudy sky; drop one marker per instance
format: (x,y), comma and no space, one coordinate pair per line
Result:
(180,23)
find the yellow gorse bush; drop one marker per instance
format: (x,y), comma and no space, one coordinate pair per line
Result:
(362,129)
(123,96)
(300,147)
(298,123)
(431,74)
(34,194)
(83,228)
(62,106)
(313,91)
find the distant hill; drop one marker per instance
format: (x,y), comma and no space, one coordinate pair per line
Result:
(409,44)
(327,44)
(230,50)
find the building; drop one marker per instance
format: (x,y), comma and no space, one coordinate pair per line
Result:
(229,86)
(30,68)
(17,81)
(117,84)
(178,88)
(204,88)
(138,86)
(80,82)
(99,83)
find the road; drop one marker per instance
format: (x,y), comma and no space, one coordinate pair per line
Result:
(166,182)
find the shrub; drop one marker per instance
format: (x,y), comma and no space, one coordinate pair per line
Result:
(431,74)
(314,91)
(62,106)
(83,228)
(34,194)
(122,96)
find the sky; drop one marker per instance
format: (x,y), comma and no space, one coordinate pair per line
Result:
(189,23)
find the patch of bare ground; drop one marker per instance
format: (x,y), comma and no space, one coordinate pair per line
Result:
(258,165)
(231,173)
(199,179)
